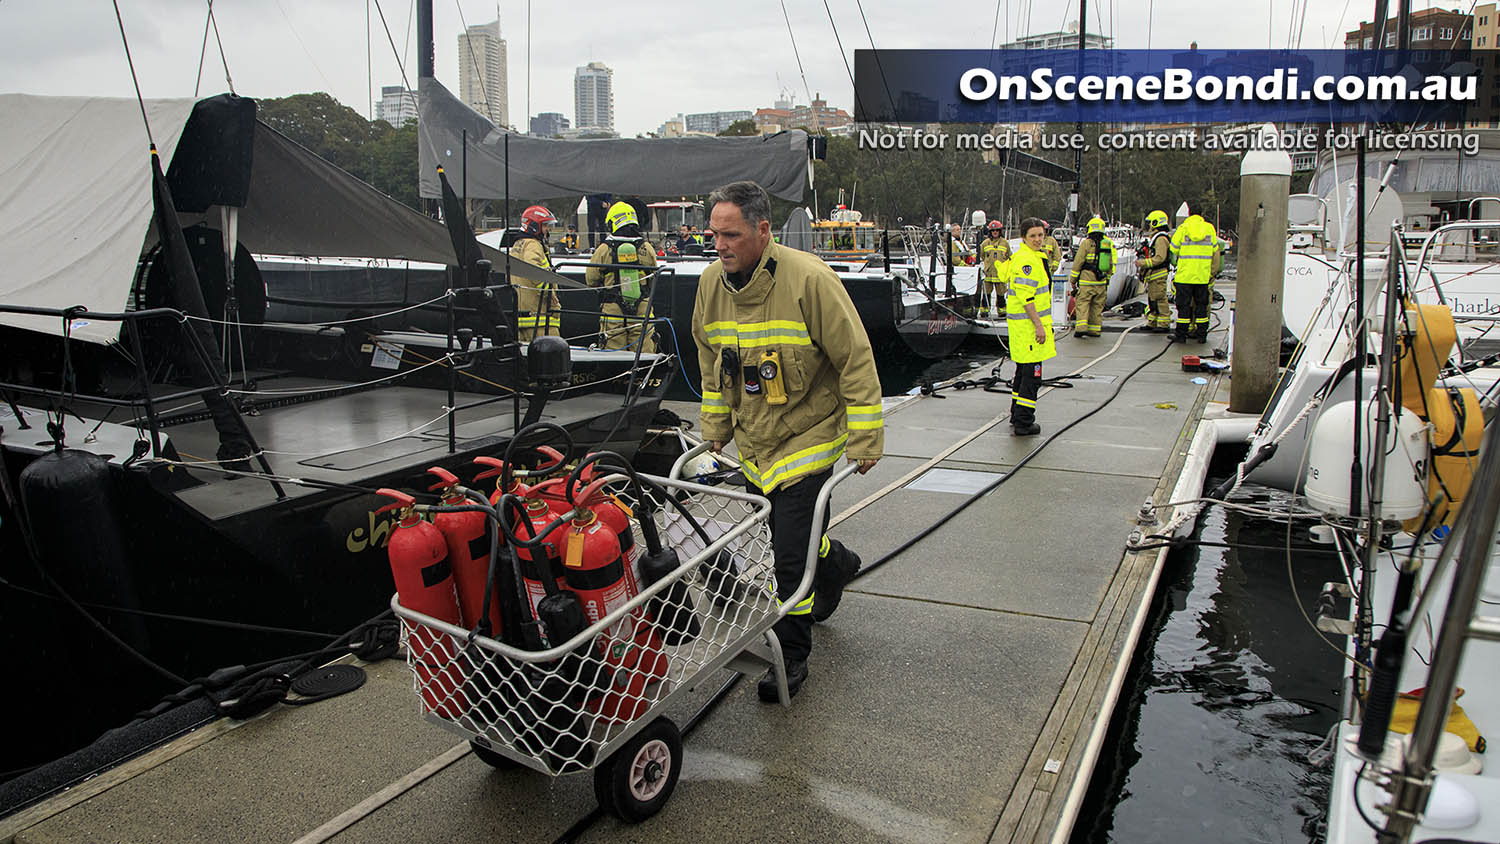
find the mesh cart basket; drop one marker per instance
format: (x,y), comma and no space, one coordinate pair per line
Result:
(594,702)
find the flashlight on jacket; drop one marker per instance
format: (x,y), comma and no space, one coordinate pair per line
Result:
(770,377)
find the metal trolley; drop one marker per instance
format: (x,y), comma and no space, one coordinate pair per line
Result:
(594,702)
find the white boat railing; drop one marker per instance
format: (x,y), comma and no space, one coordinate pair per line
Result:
(1437,235)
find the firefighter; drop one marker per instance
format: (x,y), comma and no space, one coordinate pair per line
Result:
(994,252)
(1092,265)
(1154,264)
(788,374)
(1196,248)
(568,243)
(625,294)
(1052,249)
(536,300)
(1028,318)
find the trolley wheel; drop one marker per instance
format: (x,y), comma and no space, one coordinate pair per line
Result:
(638,779)
(491,758)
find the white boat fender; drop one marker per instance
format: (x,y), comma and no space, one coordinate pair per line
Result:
(1332,444)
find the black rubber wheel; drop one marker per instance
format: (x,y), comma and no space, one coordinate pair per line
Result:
(491,758)
(639,778)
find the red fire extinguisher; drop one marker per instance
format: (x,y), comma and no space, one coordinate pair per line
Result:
(424,582)
(610,510)
(544,561)
(593,563)
(631,665)
(517,488)
(468,541)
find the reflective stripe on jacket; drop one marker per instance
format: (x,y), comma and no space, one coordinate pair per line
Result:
(795,306)
(994,251)
(1160,260)
(1027,281)
(1196,247)
(539,298)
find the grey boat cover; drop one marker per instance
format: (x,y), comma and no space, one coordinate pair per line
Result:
(542,168)
(75,206)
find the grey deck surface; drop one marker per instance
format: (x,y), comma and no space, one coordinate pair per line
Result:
(931,692)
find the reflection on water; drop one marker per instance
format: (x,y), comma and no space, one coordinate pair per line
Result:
(1229,691)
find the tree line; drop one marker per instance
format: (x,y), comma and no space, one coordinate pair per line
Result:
(892,188)
(907,187)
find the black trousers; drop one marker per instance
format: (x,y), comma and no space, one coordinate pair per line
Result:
(791,526)
(1192,310)
(1023,390)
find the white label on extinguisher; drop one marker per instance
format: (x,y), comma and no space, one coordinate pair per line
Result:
(535,592)
(633,568)
(604,601)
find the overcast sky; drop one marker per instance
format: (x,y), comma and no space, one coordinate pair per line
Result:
(667,57)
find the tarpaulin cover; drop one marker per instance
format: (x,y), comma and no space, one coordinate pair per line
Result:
(75,204)
(542,168)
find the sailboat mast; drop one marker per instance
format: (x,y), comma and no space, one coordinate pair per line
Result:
(424,41)
(1083,26)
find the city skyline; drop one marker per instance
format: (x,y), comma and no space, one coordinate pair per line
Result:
(274,49)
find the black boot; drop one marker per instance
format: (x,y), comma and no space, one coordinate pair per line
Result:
(834,573)
(796,675)
(1030,430)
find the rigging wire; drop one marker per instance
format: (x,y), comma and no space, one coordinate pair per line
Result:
(890,196)
(369,66)
(484,95)
(133,79)
(203,48)
(411,14)
(303,45)
(876,52)
(392,42)
(806,87)
(220,41)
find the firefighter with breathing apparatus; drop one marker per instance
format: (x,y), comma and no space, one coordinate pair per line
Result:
(624,290)
(540,312)
(788,374)
(993,253)
(1092,267)
(1154,264)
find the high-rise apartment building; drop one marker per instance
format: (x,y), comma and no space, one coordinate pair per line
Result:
(594,98)
(549,124)
(397,105)
(1063,40)
(482,72)
(714,122)
(1431,29)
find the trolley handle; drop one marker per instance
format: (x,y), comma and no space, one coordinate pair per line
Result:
(682,460)
(815,537)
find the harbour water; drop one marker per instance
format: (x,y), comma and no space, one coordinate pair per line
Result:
(1230,691)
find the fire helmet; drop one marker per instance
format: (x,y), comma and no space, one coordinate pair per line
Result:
(996,227)
(1157,219)
(1095,225)
(620,214)
(533,218)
